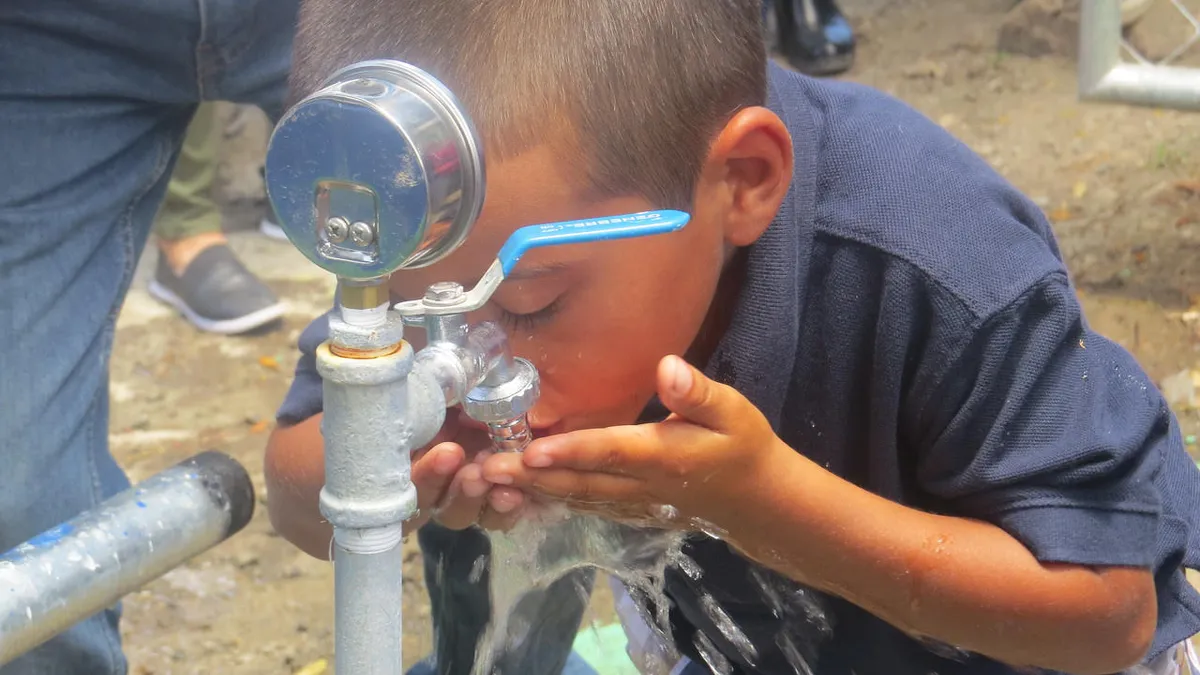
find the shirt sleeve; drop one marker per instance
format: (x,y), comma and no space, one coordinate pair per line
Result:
(303,399)
(1049,431)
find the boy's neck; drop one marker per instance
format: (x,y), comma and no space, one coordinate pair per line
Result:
(720,311)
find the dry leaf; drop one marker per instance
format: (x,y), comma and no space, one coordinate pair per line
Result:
(268,362)
(317,667)
(1192,187)
(1079,190)
(1060,214)
(259,426)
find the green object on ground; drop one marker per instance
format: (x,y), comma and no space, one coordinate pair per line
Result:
(604,650)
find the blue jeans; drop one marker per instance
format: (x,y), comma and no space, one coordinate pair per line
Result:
(95,97)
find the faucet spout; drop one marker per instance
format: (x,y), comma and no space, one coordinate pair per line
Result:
(506,393)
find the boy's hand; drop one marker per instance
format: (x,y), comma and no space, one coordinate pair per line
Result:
(450,485)
(714,448)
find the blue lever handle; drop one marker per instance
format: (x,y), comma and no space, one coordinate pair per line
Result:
(584,231)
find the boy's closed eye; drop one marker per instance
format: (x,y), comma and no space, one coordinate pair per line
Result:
(528,321)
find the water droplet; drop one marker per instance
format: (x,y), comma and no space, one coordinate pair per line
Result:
(946,651)
(477,569)
(688,566)
(708,528)
(664,512)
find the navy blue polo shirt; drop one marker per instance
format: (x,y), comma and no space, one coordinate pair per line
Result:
(907,323)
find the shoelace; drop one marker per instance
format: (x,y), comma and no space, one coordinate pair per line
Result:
(1193,660)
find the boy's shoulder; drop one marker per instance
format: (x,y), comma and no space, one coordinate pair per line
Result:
(885,177)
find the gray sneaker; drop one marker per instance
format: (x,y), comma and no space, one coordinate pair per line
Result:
(271,229)
(216,293)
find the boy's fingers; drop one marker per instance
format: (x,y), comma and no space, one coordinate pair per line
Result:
(493,520)
(686,392)
(616,450)
(432,473)
(580,486)
(504,508)
(505,500)
(464,499)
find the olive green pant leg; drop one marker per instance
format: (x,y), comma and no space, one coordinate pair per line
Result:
(189,208)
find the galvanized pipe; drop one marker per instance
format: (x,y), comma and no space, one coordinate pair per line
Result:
(69,573)
(1103,77)
(368,613)
(378,410)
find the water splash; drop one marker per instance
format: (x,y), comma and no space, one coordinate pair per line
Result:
(712,657)
(731,631)
(543,549)
(477,569)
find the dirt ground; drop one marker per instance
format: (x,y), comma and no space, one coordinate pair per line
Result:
(1121,184)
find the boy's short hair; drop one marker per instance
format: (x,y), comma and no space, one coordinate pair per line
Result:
(637,88)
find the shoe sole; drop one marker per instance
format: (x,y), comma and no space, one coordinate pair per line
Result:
(241,324)
(832,65)
(272,231)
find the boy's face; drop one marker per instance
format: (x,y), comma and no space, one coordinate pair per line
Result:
(594,318)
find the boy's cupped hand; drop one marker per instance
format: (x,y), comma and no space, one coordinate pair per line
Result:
(449,479)
(715,447)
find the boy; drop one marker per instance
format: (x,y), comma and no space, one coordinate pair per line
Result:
(901,406)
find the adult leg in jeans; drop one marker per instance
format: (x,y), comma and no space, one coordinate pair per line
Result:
(95,96)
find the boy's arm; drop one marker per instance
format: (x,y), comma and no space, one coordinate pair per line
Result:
(294,468)
(294,463)
(961,581)
(1043,440)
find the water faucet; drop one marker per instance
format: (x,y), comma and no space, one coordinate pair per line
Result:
(476,367)
(380,171)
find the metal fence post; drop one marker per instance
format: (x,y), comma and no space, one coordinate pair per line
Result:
(1106,76)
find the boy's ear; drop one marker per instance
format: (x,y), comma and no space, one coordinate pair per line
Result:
(747,174)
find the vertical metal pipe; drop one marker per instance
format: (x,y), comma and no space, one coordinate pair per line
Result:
(88,563)
(377,411)
(1099,42)
(368,614)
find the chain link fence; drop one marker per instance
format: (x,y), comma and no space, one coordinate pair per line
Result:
(1114,68)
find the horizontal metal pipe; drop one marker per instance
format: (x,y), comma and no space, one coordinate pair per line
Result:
(1144,85)
(77,569)
(1103,77)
